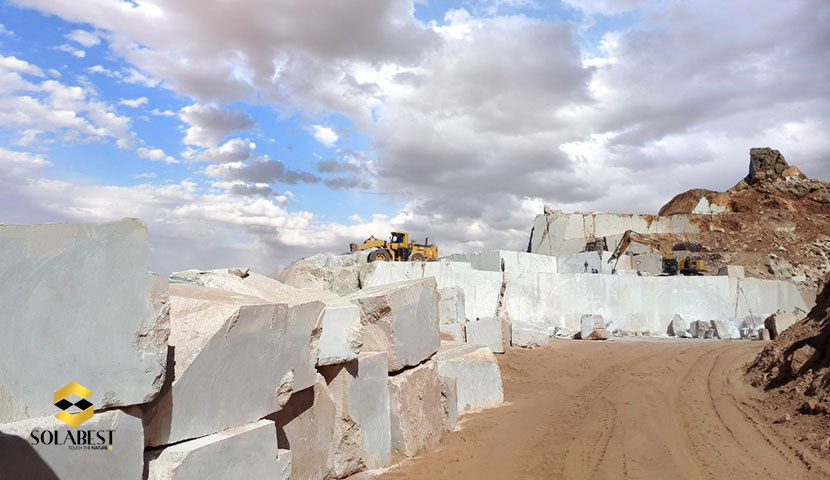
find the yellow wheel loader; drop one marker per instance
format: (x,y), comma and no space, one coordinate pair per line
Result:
(397,249)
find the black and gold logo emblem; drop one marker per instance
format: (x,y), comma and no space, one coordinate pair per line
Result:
(62,401)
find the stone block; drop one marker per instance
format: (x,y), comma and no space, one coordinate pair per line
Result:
(588,323)
(485,294)
(778,322)
(524,334)
(490,331)
(763,334)
(677,326)
(400,319)
(306,426)
(451,305)
(476,373)
(362,436)
(20,459)
(698,328)
(80,294)
(247,451)
(599,334)
(736,271)
(417,417)
(453,332)
(724,330)
(230,349)
(449,402)
(340,329)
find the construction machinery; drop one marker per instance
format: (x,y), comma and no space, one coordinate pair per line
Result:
(397,248)
(671,265)
(595,244)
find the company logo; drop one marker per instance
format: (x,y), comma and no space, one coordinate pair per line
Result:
(61,400)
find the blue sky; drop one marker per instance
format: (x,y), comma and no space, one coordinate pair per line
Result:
(255,132)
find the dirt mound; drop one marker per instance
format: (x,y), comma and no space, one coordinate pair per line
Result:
(797,364)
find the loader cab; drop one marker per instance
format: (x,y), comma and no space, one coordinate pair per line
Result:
(399,237)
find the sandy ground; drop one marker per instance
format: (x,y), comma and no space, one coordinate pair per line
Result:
(641,409)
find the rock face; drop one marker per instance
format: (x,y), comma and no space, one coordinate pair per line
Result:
(400,319)
(340,331)
(230,349)
(778,322)
(490,331)
(476,373)
(20,459)
(362,434)
(699,328)
(248,451)
(415,407)
(765,163)
(83,294)
(306,426)
(732,271)
(453,332)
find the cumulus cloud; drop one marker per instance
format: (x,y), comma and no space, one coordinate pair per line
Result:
(16,65)
(82,37)
(75,52)
(134,102)
(325,135)
(155,154)
(211,123)
(234,150)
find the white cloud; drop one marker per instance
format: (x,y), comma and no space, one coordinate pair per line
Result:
(133,103)
(155,154)
(16,65)
(325,135)
(87,39)
(211,123)
(54,73)
(103,70)
(75,52)
(5,31)
(145,175)
(163,113)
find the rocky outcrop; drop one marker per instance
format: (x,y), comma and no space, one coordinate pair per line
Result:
(765,164)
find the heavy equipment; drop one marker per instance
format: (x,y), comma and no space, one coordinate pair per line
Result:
(397,248)
(671,265)
(595,244)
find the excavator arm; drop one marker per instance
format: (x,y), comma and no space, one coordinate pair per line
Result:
(632,236)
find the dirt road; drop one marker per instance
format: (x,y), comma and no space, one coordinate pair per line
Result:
(640,409)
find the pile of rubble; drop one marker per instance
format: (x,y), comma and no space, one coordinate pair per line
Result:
(216,374)
(774,223)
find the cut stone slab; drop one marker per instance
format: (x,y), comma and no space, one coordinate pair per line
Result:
(449,402)
(763,334)
(523,334)
(67,286)
(340,329)
(490,331)
(598,334)
(698,328)
(362,434)
(732,271)
(778,322)
(677,326)
(417,417)
(306,426)
(454,332)
(451,305)
(588,323)
(400,319)
(20,459)
(247,451)
(476,373)
(230,349)
(725,330)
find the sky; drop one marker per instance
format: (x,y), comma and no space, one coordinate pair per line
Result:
(254,132)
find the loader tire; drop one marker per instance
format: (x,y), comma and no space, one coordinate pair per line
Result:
(379,256)
(417,257)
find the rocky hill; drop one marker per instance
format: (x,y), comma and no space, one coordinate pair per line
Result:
(775,222)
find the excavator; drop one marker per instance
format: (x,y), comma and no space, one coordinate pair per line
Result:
(397,249)
(671,265)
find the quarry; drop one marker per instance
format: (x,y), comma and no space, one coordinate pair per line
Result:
(338,367)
